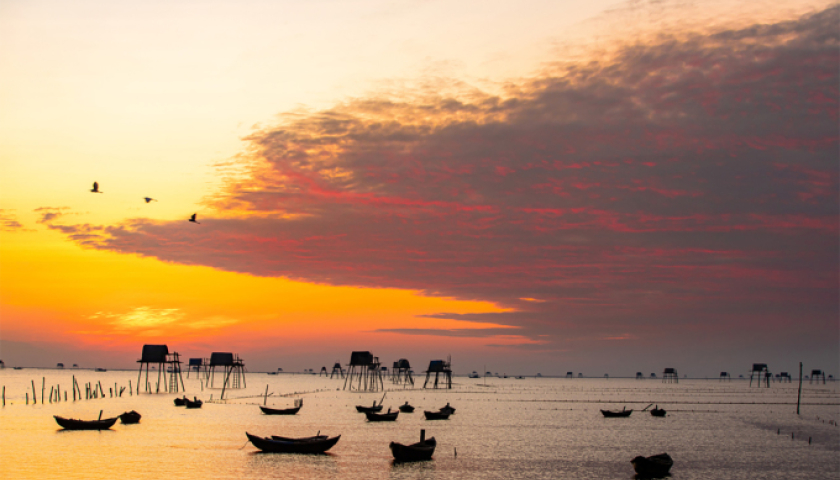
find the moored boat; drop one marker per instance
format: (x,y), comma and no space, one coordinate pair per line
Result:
(373,409)
(279,411)
(436,415)
(309,445)
(74,424)
(195,403)
(382,417)
(180,402)
(658,412)
(448,409)
(616,413)
(422,450)
(130,417)
(406,408)
(653,466)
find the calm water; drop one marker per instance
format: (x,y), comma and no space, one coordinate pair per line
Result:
(510,429)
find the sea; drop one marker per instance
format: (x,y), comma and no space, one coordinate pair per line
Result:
(503,428)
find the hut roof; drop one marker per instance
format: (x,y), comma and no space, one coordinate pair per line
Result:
(154,354)
(221,359)
(361,358)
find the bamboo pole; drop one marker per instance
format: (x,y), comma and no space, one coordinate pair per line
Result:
(52,393)
(4,395)
(34,400)
(799,395)
(43,387)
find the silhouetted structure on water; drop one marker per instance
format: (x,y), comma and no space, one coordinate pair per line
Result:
(639,376)
(401,373)
(232,366)
(816,375)
(337,370)
(725,376)
(439,367)
(364,370)
(570,375)
(324,371)
(760,372)
(784,377)
(670,376)
(159,354)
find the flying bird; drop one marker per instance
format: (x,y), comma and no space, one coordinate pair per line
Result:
(95,188)
(149,199)
(192,219)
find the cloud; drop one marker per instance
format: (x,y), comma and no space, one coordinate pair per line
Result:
(8,221)
(679,187)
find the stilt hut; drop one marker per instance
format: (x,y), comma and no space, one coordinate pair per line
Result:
(669,375)
(323,371)
(233,368)
(401,373)
(364,370)
(570,375)
(439,367)
(761,373)
(725,376)
(337,370)
(159,355)
(194,365)
(816,375)
(639,376)
(784,377)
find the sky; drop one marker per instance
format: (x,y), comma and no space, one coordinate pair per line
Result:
(538,186)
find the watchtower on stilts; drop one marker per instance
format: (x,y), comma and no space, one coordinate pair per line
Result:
(401,373)
(760,372)
(195,365)
(570,375)
(725,376)
(365,370)
(639,376)
(159,354)
(784,377)
(232,366)
(670,376)
(439,367)
(337,370)
(324,371)
(816,375)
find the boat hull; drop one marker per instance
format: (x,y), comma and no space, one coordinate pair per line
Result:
(362,409)
(298,446)
(616,413)
(653,466)
(277,411)
(73,424)
(130,417)
(413,453)
(406,409)
(383,417)
(436,415)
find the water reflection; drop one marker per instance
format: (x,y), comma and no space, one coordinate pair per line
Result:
(292,465)
(413,470)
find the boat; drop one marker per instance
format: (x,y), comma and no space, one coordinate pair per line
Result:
(617,413)
(130,417)
(100,370)
(180,402)
(474,374)
(653,466)
(658,412)
(196,403)
(73,424)
(422,450)
(279,411)
(373,409)
(382,417)
(309,445)
(406,408)
(299,439)
(447,409)
(436,415)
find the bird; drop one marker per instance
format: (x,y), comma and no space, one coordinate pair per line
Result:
(192,219)
(149,199)
(95,188)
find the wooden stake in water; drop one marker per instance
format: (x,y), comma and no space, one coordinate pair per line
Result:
(265,397)
(34,399)
(799,395)
(43,387)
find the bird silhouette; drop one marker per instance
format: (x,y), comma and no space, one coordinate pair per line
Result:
(149,199)
(192,219)
(95,188)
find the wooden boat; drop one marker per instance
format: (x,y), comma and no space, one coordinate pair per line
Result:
(194,403)
(279,411)
(382,417)
(616,413)
(406,408)
(658,412)
(310,445)
(436,415)
(180,402)
(73,424)
(654,466)
(130,417)
(373,409)
(299,439)
(447,409)
(422,450)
